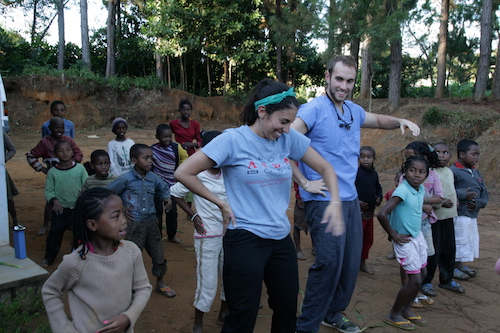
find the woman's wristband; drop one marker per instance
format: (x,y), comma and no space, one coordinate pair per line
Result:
(193,217)
(306,185)
(335,202)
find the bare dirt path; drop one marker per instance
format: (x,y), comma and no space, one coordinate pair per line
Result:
(475,311)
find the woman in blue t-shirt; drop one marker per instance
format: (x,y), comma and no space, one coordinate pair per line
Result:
(258,171)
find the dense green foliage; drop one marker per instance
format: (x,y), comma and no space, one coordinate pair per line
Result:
(24,314)
(223,47)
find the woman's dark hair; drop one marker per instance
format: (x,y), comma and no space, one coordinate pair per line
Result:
(185,101)
(421,148)
(415,158)
(265,88)
(89,206)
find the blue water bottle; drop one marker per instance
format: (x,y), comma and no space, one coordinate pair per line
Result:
(19,241)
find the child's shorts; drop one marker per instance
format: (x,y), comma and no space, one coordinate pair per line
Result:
(412,256)
(466,238)
(427,232)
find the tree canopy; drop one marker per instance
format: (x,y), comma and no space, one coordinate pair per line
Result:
(220,47)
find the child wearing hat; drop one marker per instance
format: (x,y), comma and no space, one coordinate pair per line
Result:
(119,148)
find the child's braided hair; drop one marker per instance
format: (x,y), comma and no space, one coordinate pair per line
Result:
(89,206)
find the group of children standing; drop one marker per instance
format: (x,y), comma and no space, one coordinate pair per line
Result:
(123,198)
(431,219)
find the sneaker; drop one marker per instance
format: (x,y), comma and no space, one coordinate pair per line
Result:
(344,326)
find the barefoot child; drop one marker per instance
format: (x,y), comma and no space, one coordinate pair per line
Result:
(472,196)
(167,156)
(370,195)
(45,150)
(138,189)
(401,219)
(10,151)
(433,196)
(187,131)
(104,276)
(443,233)
(299,222)
(208,232)
(119,148)
(63,183)
(58,109)
(99,175)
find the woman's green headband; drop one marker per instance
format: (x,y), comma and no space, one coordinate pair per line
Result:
(274,99)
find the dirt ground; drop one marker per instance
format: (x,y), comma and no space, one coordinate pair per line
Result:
(475,311)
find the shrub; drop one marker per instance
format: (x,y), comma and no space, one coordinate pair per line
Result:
(433,116)
(25,313)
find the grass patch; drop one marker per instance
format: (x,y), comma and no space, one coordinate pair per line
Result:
(460,123)
(24,314)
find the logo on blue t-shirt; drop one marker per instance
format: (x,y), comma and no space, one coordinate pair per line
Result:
(269,168)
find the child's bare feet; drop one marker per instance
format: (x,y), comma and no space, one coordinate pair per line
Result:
(42,231)
(365,268)
(197,328)
(300,255)
(198,321)
(224,310)
(44,263)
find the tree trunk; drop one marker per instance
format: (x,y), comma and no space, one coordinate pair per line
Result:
(118,31)
(225,77)
(169,79)
(110,35)
(441,60)
(85,34)
(184,87)
(183,84)
(208,78)
(33,26)
(354,49)
(193,76)
(279,48)
(333,48)
(159,65)
(366,70)
(484,51)
(395,73)
(495,87)
(62,44)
